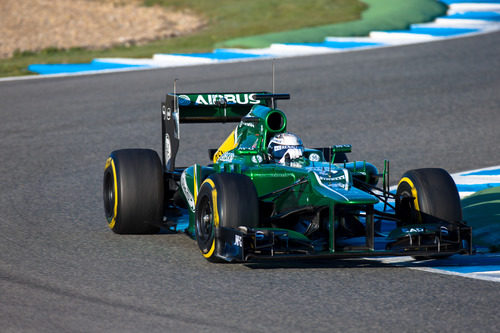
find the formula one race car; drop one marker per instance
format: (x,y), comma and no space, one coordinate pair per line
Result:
(266,196)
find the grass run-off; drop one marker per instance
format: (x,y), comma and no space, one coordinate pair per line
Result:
(226,19)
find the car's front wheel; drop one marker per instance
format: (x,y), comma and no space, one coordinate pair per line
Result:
(224,200)
(427,196)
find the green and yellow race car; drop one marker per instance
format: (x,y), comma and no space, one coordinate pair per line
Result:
(266,196)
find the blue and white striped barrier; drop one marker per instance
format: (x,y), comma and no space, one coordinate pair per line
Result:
(470,182)
(480,266)
(464,17)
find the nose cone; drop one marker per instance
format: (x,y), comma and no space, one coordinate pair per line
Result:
(336,185)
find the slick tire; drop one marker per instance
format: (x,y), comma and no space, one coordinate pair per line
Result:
(224,200)
(427,196)
(133,191)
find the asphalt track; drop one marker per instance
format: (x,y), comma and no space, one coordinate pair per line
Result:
(61,269)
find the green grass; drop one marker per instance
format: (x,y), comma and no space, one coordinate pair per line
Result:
(226,19)
(380,15)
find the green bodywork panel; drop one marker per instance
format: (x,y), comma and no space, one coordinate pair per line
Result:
(323,184)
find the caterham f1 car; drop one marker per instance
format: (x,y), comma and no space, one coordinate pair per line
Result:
(265,196)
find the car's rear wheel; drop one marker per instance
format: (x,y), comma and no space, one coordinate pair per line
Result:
(224,200)
(133,191)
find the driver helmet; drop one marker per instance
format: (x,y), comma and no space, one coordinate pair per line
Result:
(285,146)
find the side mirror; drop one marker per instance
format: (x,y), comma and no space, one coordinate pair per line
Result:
(341,149)
(339,153)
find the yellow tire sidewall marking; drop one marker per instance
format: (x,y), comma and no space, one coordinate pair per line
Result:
(215,215)
(111,162)
(195,186)
(414,194)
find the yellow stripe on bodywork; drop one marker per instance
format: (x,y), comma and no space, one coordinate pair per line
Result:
(215,213)
(229,144)
(109,162)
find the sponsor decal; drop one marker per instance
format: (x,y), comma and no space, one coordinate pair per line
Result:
(275,175)
(314,157)
(201,100)
(238,241)
(412,230)
(183,100)
(278,148)
(333,179)
(246,148)
(164,111)
(167,151)
(227,157)
(252,125)
(217,155)
(211,99)
(187,193)
(257,159)
(334,176)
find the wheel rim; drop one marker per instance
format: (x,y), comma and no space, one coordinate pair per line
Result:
(204,224)
(406,206)
(109,195)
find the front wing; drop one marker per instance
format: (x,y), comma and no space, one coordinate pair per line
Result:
(243,244)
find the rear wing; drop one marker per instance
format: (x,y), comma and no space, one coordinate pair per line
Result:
(214,107)
(203,108)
